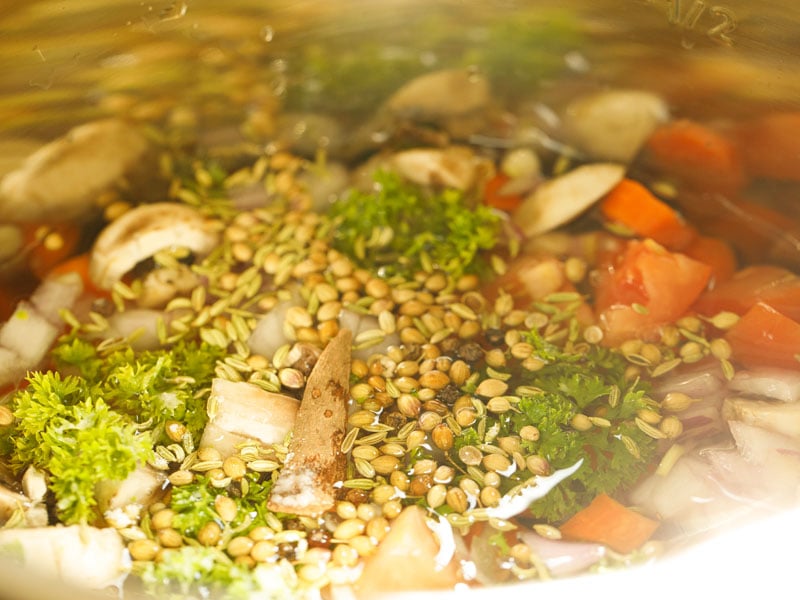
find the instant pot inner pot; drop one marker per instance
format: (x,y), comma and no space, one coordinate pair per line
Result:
(194,102)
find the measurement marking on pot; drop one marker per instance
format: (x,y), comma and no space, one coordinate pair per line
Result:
(717,21)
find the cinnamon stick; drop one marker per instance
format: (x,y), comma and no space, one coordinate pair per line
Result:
(315,462)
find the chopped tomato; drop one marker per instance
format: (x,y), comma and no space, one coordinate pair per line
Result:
(771,145)
(764,337)
(776,286)
(646,287)
(529,278)
(699,156)
(716,253)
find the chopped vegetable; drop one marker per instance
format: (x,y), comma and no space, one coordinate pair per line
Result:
(771,145)
(697,155)
(647,287)
(495,196)
(406,560)
(765,337)
(401,229)
(775,286)
(608,522)
(717,254)
(632,206)
(558,201)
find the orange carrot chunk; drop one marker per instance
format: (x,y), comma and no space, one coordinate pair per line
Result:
(78,264)
(633,206)
(494,196)
(608,522)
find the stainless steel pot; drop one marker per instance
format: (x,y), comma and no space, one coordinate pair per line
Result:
(223,66)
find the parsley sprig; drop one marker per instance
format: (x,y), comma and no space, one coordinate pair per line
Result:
(400,228)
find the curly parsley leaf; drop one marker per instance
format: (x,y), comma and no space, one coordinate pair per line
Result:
(573,383)
(63,427)
(152,386)
(400,228)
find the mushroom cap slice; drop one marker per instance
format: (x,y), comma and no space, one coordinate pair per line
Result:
(62,178)
(145,230)
(560,200)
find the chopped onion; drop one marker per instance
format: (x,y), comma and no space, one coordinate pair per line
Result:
(562,557)
(778,384)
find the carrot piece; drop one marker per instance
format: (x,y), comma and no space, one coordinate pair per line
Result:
(702,158)
(764,337)
(633,206)
(78,264)
(716,253)
(493,194)
(50,245)
(608,522)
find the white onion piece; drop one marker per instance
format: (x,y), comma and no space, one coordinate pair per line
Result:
(690,481)
(243,411)
(55,293)
(562,557)
(28,334)
(768,450)
(702,419)
(359,323)
(12,367)
(558,201)
(778,384)
(614,124)
(779,417)
(269,333)
(139,325)
(696,383)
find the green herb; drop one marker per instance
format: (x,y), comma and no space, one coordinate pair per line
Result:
(194,505)
(195,571)
(153,386)
(402,229)
(573,383)
(65,428)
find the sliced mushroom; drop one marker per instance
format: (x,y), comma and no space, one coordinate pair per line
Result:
(614,124)
(62,179)
(558,201)
(141,232)
(445,93)
(240,411)
(454,167)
